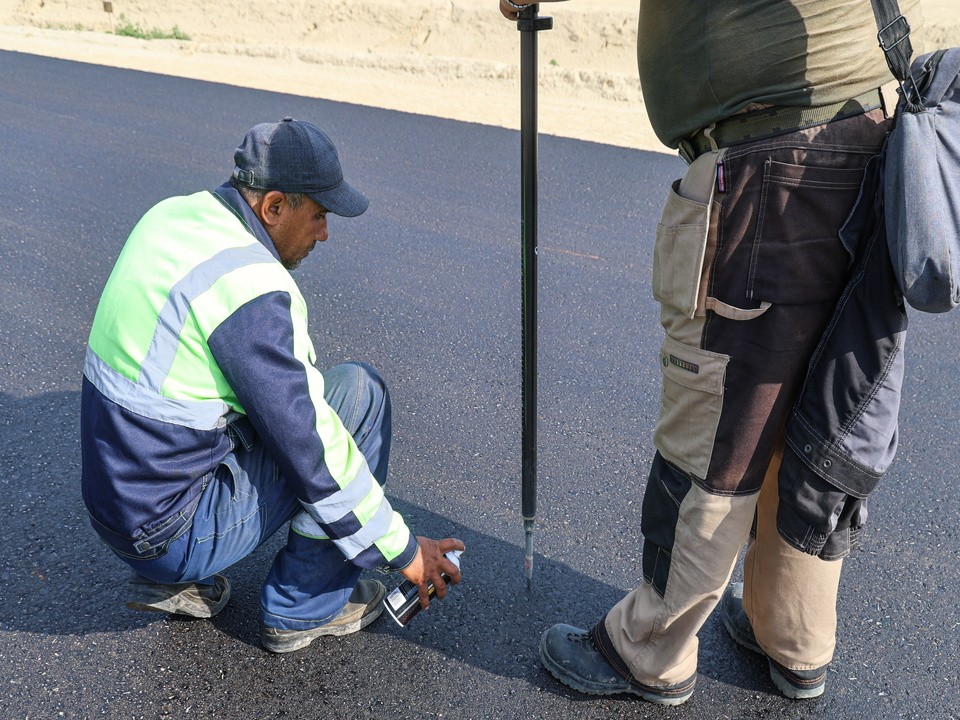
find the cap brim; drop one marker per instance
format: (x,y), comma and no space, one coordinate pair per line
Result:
(344,200)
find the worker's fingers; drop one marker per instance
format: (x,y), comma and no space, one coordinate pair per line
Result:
(509,12)
(424,595)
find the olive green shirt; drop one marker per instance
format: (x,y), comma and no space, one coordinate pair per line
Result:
(703,60)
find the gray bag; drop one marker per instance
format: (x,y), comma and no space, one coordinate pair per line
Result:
(922,167)
(922,186)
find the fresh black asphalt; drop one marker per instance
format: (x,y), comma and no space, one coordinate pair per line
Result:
(425,286)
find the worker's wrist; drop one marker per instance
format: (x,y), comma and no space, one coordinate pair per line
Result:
(404,559)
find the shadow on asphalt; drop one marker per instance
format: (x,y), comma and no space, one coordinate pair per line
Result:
(58,578)
(488,621)
(68,584)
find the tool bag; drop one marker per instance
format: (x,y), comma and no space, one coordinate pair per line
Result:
(922,167)
(921,180)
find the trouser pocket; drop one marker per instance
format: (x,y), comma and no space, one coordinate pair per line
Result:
(797,256)
(680,248)
(678,252)
(150,543)
(690,405)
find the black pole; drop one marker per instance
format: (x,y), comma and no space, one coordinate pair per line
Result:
(529,24)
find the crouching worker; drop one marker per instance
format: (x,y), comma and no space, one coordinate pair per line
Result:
(206,427)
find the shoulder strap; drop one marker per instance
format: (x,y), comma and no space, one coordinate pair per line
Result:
(893,32)
(944,64)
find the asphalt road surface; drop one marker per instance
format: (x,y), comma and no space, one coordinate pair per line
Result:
(425,286)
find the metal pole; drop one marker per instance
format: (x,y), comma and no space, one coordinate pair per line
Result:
(529,24)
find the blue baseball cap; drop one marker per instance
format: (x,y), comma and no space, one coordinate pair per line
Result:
(297,157)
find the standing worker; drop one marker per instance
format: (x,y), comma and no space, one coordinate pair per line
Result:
(205,426)
(775,106)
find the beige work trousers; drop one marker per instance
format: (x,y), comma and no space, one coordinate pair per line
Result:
(747,268)
(789,596)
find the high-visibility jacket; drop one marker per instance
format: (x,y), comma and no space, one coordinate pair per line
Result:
(199,329)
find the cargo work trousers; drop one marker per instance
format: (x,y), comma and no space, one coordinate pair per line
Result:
(748,267)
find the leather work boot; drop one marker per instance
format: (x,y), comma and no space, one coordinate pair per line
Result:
(571,656)
(190,599)
(794,684)
(363,607)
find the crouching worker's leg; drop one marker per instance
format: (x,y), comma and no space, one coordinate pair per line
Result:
(312,590)
(246,500)
(243,503)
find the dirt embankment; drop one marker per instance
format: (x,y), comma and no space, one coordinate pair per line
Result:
(451,58)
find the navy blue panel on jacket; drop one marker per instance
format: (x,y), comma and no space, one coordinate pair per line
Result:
(119,481)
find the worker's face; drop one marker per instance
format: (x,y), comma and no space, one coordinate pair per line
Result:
(296,230)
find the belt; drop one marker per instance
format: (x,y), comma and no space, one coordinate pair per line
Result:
(770,122)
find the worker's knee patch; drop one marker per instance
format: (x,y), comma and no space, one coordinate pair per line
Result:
(666,488)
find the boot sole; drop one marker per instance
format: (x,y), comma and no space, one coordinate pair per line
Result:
(298,642)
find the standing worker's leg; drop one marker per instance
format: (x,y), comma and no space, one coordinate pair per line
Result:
(730,374)
(693,527)
(312,589)
(786,607)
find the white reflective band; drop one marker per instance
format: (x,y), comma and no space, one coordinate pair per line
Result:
(196,414)
(166,337)
(366,536)
(338,504)
(304,524)
(355,544)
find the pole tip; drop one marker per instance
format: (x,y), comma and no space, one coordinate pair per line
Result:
(528,554)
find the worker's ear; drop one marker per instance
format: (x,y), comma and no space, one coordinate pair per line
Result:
(270,207)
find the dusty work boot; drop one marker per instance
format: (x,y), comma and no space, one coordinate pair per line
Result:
(190,599)
(794,684)
(363,607)
(571,656)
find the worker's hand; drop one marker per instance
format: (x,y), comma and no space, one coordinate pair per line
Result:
(509,9)
(427,565)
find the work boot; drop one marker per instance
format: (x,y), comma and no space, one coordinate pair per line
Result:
(190,599)
(794,684)
(363,607)
(571,656)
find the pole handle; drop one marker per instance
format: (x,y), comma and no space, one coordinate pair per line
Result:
(534,24)
(528,19)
